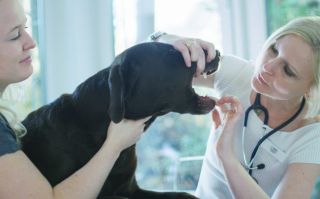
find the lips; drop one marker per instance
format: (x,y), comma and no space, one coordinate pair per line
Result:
(26,60)
(261,79)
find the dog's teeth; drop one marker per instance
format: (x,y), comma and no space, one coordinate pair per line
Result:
(205,75)
(213,98)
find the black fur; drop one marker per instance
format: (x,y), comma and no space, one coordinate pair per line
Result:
(147,79)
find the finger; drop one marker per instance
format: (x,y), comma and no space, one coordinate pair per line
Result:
(201,63)
(226,99)
(210,48)
(194,52)
(183,49)
(229,103)
(216,118)
(197,55)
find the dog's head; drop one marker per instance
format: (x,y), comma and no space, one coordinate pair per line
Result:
(152,79)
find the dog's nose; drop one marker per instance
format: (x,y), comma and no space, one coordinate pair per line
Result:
(212,66)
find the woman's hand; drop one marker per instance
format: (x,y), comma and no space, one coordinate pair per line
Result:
(125,134)
(192,50)
(232,110)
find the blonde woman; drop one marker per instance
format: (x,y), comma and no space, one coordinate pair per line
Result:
(268,143)
(19,178)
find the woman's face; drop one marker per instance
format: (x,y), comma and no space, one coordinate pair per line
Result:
(15,44)
(285,69)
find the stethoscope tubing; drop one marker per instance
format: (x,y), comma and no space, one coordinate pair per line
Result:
(257,105)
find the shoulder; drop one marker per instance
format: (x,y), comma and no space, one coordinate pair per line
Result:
(233,66)
(231,60)
(234,75)
(8,141)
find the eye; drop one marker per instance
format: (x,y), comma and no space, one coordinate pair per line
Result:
(288,71)
(274,49)
(16,36)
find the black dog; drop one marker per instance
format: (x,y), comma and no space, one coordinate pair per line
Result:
(147,79)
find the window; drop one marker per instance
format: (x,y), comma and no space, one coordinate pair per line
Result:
(280,12)
(196,18)
(33,94)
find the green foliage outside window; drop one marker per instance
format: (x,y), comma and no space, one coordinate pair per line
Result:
(279,12)
(33,88)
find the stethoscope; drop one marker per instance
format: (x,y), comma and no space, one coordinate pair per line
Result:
(258,106)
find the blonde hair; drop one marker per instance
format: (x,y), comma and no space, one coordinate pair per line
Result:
(309,29)
(10,95)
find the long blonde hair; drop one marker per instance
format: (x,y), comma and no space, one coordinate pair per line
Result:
(309,29)
(7,99)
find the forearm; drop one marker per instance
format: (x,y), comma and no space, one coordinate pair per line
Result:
(240,182)
(87,181)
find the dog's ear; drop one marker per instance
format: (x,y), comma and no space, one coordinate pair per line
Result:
(116,90)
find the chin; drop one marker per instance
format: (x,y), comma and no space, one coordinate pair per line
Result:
(28,72)
(255,85)
(23,77)
(257,88)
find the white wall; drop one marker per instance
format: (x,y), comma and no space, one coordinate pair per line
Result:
(244,26)
(77,42)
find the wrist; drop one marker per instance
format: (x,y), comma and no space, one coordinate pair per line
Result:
(227,158)
(224,150)
(114,150)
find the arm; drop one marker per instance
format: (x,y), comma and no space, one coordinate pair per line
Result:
(21,179)
(297,182)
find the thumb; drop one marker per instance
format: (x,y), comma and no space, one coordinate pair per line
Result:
(216,118)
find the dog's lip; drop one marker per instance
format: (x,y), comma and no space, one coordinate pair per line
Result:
(208,97)
(206,103)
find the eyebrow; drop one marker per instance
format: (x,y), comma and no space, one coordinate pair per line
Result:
(17,26)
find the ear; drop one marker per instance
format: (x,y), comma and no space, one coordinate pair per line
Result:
(116,90)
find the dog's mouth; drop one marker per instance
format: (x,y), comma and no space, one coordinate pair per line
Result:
(205,104)
(210,72)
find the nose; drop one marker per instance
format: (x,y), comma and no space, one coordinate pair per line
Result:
(270,66)
(28,42)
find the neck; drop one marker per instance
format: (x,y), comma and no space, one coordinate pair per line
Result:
(281,107)
(2,89)
(281,110)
